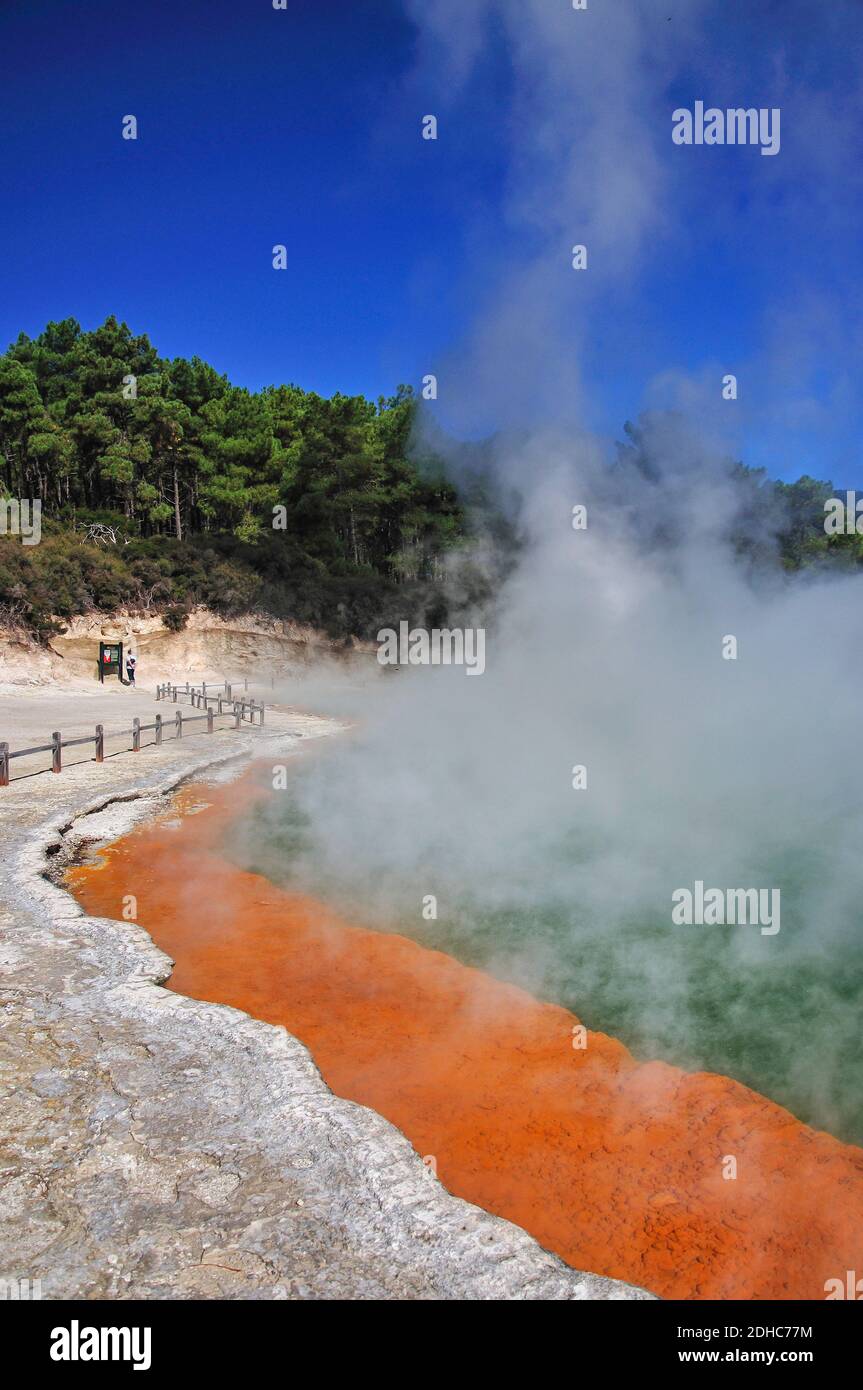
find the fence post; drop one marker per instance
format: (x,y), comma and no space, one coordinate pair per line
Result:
(100,744)
(227,693)
(178,724)
(158,730)
(209,719)
(4,764)
(56,753)
(136,735)
(158,692)
(174,694)
(245,682)
(262,714)
(237,708)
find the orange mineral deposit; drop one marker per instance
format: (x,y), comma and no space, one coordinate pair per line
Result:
(623,1168)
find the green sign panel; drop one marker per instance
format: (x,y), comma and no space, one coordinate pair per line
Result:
(110,659)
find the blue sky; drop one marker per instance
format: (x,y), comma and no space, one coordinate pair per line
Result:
(302,126)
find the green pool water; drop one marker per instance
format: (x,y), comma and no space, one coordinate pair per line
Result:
(780,1014)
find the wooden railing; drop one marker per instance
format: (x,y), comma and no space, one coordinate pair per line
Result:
(239,710)
(202,696)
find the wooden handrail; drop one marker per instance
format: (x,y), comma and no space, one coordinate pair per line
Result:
(241,710)
(199,698)
(58,743)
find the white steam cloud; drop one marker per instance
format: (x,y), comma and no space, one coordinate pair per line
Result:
(605,648)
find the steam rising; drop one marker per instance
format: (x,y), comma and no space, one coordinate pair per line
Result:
(604,649)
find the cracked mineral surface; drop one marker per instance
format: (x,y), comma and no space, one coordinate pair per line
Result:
(689,1184)
(154,1146)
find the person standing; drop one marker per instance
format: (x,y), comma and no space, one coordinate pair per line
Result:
(131,663)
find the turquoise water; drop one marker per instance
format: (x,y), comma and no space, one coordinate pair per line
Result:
(784,1020)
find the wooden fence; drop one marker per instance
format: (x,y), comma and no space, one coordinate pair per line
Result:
(202,696)
(239,710)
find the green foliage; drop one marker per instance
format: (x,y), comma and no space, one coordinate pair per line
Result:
(175,618)
(186,472)
(767,520)
(163,486)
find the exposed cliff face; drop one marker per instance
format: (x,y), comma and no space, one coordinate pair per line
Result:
(24,663)
(208,647)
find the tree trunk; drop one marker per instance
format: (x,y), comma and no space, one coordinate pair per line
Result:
(177,519)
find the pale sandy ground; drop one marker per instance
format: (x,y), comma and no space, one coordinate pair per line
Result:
(154,1146)
(208,647)
(29,716)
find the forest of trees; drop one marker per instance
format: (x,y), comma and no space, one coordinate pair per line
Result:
(159,481)
(772,523)
(177,473)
